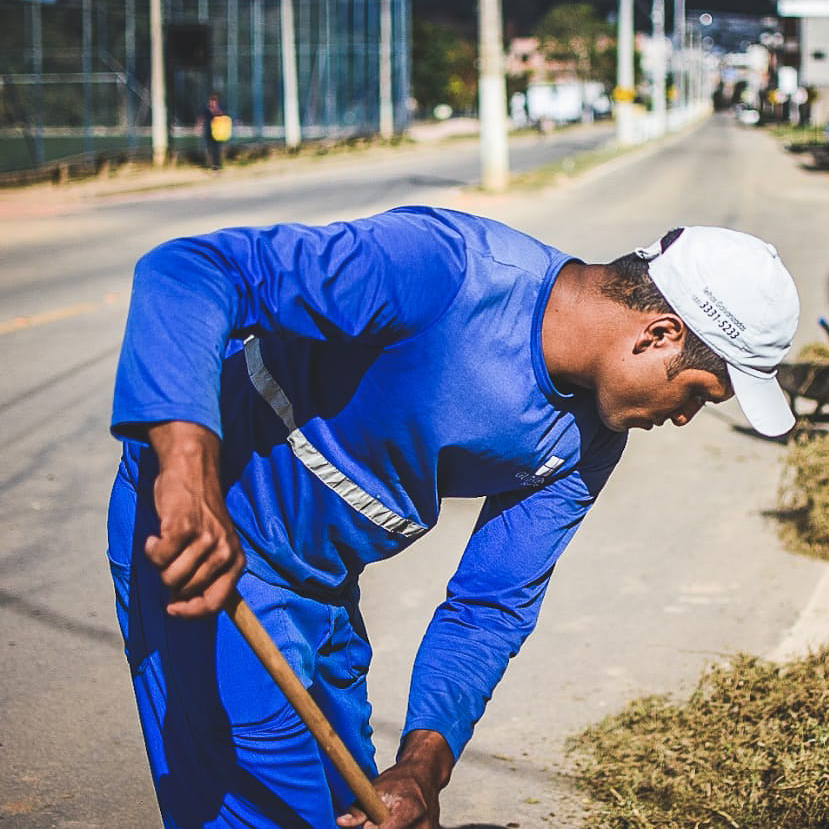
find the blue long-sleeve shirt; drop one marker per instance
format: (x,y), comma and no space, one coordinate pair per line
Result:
(359,373)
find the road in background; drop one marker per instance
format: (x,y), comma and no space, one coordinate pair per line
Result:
(677,566)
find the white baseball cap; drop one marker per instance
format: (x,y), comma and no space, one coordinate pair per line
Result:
(733,291)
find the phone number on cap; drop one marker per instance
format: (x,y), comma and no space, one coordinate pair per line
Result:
(728,327)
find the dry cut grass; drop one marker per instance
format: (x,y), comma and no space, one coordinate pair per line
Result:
(749,749)
(804,489)
(804,495)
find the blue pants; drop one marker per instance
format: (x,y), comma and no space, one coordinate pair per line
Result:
(225,746)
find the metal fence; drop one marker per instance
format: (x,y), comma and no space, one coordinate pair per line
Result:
(75,74)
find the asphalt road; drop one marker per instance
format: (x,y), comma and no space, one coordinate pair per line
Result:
(678,565)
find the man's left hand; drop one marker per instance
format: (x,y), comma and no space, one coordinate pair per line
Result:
(410,788)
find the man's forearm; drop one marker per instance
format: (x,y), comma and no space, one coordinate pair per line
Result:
(190,446)
(196,550)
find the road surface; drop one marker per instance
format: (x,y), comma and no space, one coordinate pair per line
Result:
(677,566)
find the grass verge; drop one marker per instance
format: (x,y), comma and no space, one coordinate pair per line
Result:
(566,168)
(793,136)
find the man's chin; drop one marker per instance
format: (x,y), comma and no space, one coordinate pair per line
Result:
(619,423)
(614,423)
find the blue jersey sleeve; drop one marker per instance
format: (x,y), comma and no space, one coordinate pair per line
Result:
(494,598)
(380,280)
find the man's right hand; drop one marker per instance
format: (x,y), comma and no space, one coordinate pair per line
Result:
(197,550)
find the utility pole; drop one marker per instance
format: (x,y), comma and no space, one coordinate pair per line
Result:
(492,97)
(158,85)
(290,84)
(386,108)
(624,92)
(658,81)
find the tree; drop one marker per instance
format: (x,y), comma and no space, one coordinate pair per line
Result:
(575,34)
(443,68)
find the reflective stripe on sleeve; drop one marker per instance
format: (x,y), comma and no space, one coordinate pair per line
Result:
(313,460)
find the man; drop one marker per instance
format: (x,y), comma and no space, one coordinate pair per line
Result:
(296,401)
(213,138)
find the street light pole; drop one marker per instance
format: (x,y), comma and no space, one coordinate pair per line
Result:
(492,97)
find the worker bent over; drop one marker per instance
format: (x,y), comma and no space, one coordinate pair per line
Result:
(295,402)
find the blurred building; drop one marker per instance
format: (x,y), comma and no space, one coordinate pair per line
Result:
(806,48)
(552,85)
(525,58)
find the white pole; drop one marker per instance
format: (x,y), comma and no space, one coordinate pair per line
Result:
(158,85)
(386,108)
(492,97)
(624,92)
(290,84)
(658,87)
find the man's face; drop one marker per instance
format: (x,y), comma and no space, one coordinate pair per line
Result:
(644,397)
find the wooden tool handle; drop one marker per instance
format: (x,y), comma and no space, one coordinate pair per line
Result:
(277,666)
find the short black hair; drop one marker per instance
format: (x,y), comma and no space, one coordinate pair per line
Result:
(629,283)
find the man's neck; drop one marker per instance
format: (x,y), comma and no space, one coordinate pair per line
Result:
(578,322)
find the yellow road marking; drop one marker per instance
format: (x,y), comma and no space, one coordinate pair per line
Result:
(56,314)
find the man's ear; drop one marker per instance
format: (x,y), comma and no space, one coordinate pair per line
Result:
(664,331)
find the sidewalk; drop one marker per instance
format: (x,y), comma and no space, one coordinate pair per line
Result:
(48,199)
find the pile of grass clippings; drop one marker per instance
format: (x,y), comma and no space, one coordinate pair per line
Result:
(749,749)
(813,353)
(804,494)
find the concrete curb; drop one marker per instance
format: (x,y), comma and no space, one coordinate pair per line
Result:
(811,630)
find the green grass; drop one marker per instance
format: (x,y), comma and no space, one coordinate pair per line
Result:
(797,135)
(566,168)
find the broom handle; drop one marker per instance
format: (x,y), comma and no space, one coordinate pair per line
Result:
(263,646)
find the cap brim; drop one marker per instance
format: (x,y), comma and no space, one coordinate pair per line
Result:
(763,402)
